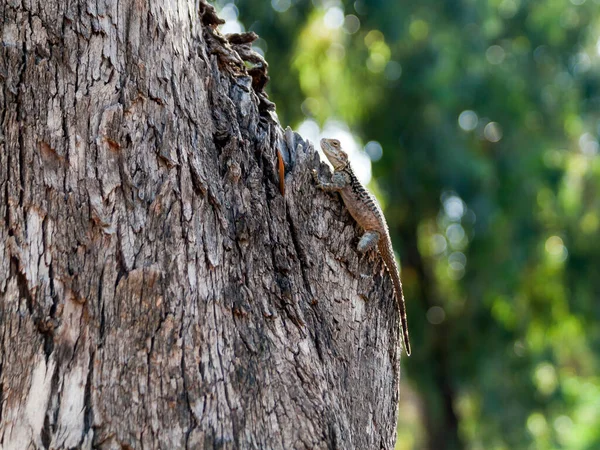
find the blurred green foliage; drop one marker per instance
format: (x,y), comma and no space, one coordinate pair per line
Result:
(488,116)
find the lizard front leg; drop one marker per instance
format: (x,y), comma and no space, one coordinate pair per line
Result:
(368,241)
(338,182)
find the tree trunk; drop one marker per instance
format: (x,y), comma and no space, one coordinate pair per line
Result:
(156,288)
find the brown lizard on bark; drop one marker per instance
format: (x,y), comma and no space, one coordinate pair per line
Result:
(367,212)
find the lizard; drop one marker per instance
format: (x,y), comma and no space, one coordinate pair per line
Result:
(365,209)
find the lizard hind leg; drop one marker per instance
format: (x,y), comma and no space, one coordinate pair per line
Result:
(368,241)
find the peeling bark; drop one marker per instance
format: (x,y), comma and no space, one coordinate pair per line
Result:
(156,289)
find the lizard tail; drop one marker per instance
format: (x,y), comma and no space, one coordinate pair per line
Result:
(387,254)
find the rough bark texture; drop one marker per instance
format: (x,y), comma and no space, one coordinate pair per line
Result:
(156,289)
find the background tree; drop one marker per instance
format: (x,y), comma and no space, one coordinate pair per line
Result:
(156,288)
(487,114)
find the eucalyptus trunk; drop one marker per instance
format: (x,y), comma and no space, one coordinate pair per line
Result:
(157,290)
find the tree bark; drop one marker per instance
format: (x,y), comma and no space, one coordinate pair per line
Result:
(156,288)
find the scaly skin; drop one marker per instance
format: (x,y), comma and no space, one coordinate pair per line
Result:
(366,211)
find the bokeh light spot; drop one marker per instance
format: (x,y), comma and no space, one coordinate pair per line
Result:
(492,132)
(336,51)
(281,5)
(436,315)
(438,244)
(536,424)
(454,208)
(334,18)
(458,258)
(376,62)
(467,120)
(372,37)
(456,265)
(581,63)
(351,24)
(569,18)
(508,8)
(230,13)
(588,144)
(231,26)
(495,54)
(359,7)
(563,426)
(374,150)
(519,348)
(545,378)
(455,271)
(556,249)
(419,30)
(455,233)
(393,70)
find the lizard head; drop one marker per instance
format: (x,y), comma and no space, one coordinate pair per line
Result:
(333,150)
